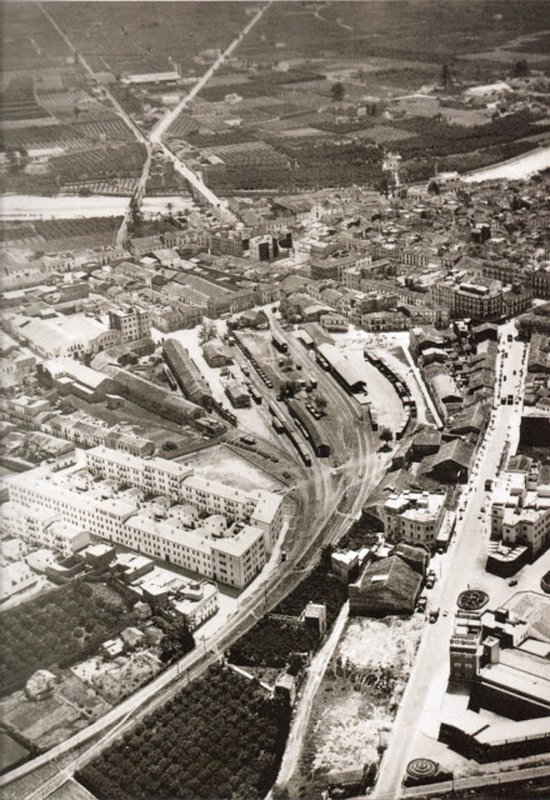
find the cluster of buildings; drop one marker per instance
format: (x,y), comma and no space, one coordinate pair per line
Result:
(520,519)
(458,365)
(501,656)
(204,526)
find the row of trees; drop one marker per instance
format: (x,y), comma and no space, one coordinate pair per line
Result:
(271,642)
(222,737)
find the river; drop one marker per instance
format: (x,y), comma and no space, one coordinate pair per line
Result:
(514,169)
(31,207)
(21,207)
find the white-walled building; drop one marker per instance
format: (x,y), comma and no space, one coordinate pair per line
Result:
(39,526)
(413,517)
(160,476)
(520,515)
(233,556)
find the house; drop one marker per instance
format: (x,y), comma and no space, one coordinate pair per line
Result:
(388,586)
(285,688)
(416,557)
(132,637)
(471,420)
(215,354)
(237,394)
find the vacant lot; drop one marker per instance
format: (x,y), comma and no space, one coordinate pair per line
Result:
(354,708)
(221,464)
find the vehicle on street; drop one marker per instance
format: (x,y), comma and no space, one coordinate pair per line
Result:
(434,615)
(513,582)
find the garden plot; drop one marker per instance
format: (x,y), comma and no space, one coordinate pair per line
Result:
(44,723)
(115,680)
(358,698)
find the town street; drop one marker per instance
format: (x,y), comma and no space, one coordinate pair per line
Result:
(463,566)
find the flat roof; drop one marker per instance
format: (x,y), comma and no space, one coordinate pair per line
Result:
(520,673)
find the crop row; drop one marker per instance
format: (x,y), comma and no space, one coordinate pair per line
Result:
(222,736)
(126,161)
(183,126)
(247,153)
(70,228)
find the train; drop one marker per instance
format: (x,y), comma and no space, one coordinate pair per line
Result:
(310,428)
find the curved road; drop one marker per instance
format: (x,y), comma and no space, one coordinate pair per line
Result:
(320,499)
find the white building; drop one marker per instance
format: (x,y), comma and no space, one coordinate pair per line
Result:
(233,556)
(39,526)
(521,515)
(163,477)
(413,517)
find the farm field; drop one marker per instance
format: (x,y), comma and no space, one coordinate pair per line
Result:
(125,41)
(234,736)
(28,41)
(406,30)
(58,233)
(45,723)
(11,752)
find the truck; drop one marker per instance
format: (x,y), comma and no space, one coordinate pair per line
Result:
(488,485)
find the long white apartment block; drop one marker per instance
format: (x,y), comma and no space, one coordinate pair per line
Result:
(160,476)
(40,526)
(233,557)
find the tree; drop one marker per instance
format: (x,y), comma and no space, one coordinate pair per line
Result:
(207,331)
(338,91)
(320,402)
(169,445)
(288,389)
(177,641)
(446,76)
(521,68)
(386,435)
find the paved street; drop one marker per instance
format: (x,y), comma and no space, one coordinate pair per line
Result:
(463,566)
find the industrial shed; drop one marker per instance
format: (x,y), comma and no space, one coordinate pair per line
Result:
(187,374)
(342,369)
(388,586)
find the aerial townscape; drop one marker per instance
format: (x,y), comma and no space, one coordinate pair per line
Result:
(275,397)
